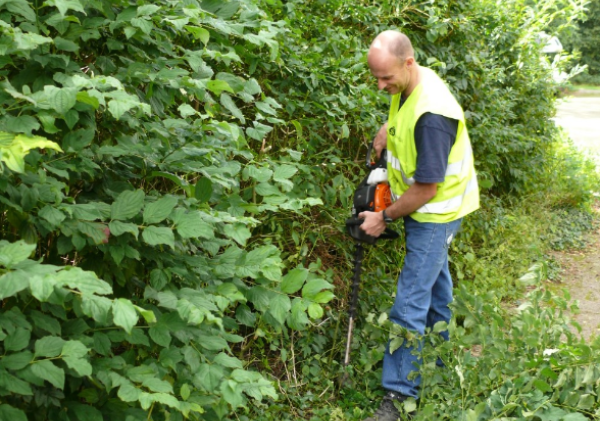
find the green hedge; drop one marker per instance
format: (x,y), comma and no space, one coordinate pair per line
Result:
(175,176)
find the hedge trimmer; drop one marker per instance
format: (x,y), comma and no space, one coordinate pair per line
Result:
(373,194)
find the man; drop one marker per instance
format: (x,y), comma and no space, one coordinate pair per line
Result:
(433,181)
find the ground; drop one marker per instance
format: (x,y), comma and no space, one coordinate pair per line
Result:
(580,275)
(579,115)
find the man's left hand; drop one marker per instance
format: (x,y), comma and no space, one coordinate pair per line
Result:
(373,223)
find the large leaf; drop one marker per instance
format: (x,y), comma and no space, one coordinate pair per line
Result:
(124,314)
(46,370)
(293,280)
(9,413)
(128,204)
(154,236)
(192,225)
(159,210)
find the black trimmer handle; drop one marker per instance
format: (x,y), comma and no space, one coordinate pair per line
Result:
(353,226)
(380,163)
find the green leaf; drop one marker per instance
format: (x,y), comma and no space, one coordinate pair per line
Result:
(45,322)
(21,124)
(29,41)
(284,172)
(85,281)
(192,225)
(17,361)
(314,286)
(260,174)
(259,131)
(185,391)
(14,384)
(228,361)
(148,315)
(17,340)
(45,370)
(42,287)
(128,204)
(324,297)
(7,412)
(199,33)
(160,334)
(218,86)
(542,385)
(64,6)
(203,190)
(65,45)
(239,232)
(209,377)
(186,110)
(80,365)
(147,10)
(298,319)
(52,215)
(586,401)
(124,314)
(86,98)
(118,228)
(21,7)
(102,344)
(154,236)
(74,354)
(61,99)
(49,346)
(157,385)
(84,412)
(159,210)
(96,307)
(228,103)
(13,282)
(129,393)
(315,311)
(293,280)
(14,253)
(279,307)
(213,343)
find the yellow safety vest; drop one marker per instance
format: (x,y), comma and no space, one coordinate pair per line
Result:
(458,195)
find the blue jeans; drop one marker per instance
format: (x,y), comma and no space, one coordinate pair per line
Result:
(422,298)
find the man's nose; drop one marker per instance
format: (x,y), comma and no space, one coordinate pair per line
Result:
(381,84)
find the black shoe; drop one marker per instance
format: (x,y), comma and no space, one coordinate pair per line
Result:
(387,411)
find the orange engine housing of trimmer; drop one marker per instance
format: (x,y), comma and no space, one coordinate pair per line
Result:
(383,197)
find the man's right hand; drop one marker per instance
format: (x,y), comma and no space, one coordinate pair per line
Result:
(380,141)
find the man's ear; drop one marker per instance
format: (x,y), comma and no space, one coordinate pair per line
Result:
(410,61)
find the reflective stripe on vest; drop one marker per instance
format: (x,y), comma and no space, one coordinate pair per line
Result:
(450,204)
(455,168)
(446,205)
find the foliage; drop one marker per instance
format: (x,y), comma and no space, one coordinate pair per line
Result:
(145,208)
(175,177)
(513,364)
(585,40)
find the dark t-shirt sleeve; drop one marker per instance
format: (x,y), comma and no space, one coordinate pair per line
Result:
(434,137)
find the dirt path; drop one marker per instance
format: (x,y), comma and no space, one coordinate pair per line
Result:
(580,275)
(580,269)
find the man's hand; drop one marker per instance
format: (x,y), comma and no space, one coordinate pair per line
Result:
(380,141)
(373,223)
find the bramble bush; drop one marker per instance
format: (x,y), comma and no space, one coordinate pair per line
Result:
(174,181)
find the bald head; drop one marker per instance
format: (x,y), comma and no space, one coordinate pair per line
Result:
(392,62)
(392,42)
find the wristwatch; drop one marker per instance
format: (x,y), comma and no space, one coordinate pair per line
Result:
(386,218)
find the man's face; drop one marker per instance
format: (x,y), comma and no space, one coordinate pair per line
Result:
(391,73)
